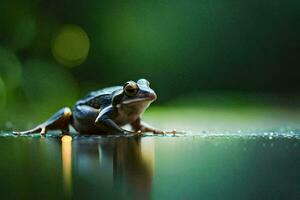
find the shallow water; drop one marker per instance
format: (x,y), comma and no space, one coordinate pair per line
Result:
(263,165)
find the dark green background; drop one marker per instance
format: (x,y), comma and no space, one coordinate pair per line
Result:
(185,49)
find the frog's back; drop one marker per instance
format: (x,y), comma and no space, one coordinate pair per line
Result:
(99,98)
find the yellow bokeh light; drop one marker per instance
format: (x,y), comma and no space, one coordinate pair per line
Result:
(71,46)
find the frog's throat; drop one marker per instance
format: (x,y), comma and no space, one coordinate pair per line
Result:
(130,101)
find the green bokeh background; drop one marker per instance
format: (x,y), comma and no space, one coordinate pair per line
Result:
(228,51)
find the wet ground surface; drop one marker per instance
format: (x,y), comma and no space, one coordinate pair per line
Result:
(204,165)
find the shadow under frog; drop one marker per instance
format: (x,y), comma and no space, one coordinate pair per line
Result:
(120,161)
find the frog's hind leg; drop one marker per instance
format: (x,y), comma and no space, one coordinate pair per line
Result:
(59,121)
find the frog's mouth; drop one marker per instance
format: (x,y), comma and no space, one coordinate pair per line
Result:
(142,98)
(130,101)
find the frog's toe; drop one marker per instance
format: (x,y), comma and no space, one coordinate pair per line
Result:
(17,133)
(35,130)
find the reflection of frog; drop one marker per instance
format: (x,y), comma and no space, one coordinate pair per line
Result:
(118,164)
(105,111)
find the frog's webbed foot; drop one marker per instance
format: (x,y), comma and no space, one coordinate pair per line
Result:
(39,129)
(59,121)
(157,132)
(141,127)
(164,132)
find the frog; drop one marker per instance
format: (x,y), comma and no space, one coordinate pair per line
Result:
(104,112)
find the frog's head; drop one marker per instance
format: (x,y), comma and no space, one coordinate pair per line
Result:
(136,93)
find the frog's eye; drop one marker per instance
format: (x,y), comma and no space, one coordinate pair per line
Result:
(131,88)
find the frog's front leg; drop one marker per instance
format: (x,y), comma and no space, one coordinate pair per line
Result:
(104,118)
(139,125)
